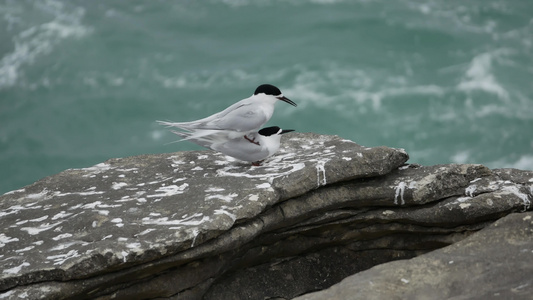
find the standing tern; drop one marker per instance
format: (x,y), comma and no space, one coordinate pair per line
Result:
(239,119)
(264,144)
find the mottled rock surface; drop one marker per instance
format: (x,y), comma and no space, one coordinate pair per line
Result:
(192,225)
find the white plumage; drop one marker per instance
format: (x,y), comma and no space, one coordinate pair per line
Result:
(239,119)
(255,148)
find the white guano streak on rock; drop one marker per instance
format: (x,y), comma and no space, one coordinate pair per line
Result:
(195,233)
(118,185)
(90,193)
(226,171)
(118,222)
(61,215)
(96,169)
(14,192)
(514,190)
(65,245)
(61,258)
(214,189)
(24,249)
(16,269)
(40,228)
(188,221)
(320,169)
(145,232)
(469,191)
(225,198)
(4,239)
(464,205)
(39,219)
(39,195)
(399,191)
(7,295)
(170,190)
(61,236)
(265,185)
(227,213)
(15,209)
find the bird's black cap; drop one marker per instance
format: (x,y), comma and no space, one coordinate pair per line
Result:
(267,89)
(268,131)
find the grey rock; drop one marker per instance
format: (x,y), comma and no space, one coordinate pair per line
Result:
(494,263)
(193,225)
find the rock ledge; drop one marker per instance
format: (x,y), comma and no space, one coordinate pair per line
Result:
(197,224)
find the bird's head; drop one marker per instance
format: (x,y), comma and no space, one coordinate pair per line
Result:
(272,91)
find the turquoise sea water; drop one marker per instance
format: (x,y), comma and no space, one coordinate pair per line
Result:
(83,81)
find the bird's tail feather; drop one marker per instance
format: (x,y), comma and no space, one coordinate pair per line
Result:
(193,125)
(204,138)
(185,132)
(181,125)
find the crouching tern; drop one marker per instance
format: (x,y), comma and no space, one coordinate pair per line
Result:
(239,120)
(257,147)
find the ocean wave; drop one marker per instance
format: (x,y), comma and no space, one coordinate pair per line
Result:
(238,3)
(33,41)
(348,90)
(331,84)
(208,79)
(455,17)
(461,157)
(479,75)
(524,162)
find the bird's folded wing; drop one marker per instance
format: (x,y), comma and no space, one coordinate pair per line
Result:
(243,118)
(241,149)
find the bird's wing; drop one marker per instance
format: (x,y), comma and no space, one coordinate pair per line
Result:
(245,117)
(242,149)
(242,116)
(207,122)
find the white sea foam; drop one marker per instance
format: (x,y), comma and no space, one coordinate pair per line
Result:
(461,157)
(479,76)
(38,40)
(206,79)
(524,162)
(354,86)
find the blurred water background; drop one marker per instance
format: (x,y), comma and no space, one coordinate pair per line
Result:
(83,81)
